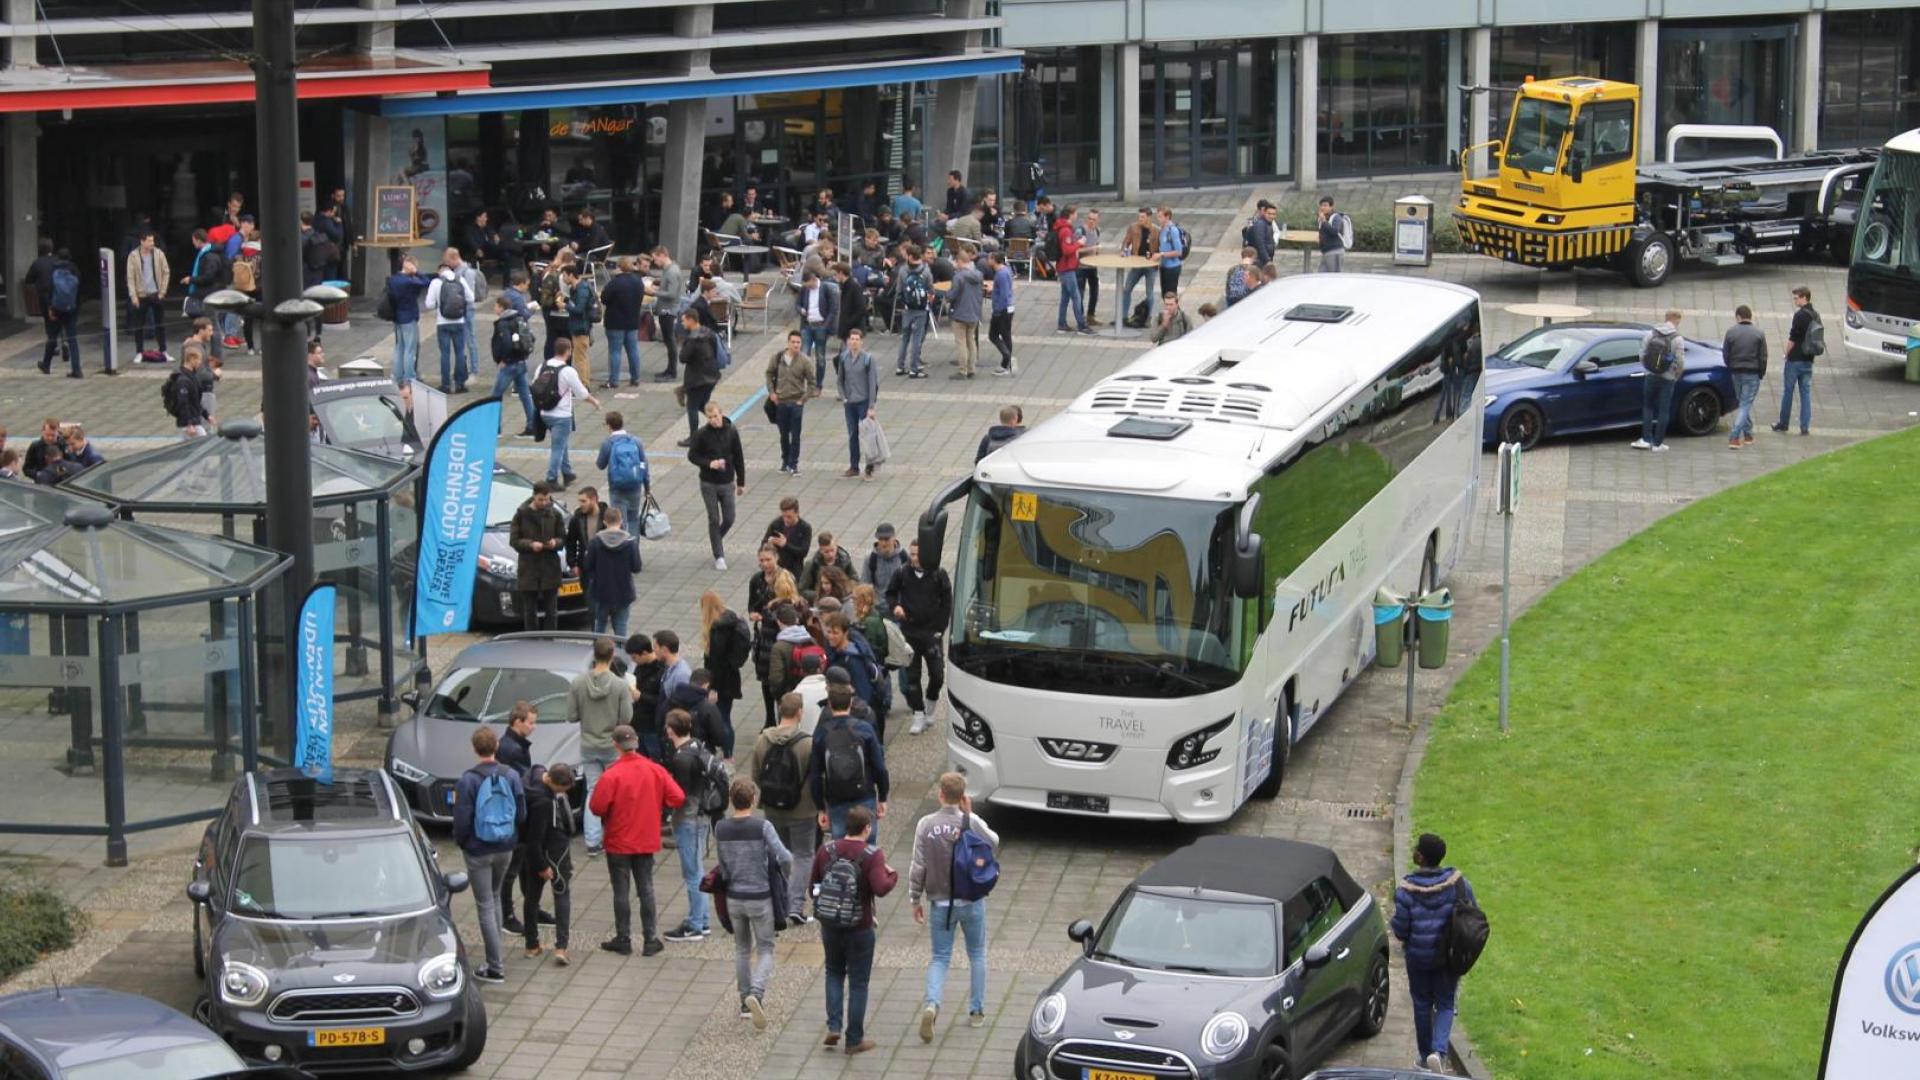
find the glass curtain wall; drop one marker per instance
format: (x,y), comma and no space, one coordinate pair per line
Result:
(1602,50)
(1383,103)
(1207,111)
(1725,72)
(1868,91)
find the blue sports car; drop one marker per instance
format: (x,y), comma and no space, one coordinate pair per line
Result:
(1577,377)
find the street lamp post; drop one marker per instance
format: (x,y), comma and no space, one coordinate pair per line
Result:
(282,342)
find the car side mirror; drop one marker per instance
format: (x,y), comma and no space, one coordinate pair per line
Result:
(1317,956)
(199,891)
(457,881)
(1081,930)
(411,699)
(1584,368)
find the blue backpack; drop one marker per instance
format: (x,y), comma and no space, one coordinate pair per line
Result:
(975,869)
(66,291)
(495,812)
(625,470)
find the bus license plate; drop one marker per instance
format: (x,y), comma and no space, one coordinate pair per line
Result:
(569,588)
(1092,804)
(1109,1074)
(376,1036)
(1897,348)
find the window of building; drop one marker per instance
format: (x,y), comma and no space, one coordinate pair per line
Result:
(1383,102)
(1867,85)
(1067,84)
(1207,111)
(1724,72)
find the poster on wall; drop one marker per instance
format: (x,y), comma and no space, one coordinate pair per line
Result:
(419,156)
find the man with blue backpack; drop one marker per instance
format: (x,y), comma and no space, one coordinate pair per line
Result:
(625,462)
(489,808)
(60,304)
(954,868)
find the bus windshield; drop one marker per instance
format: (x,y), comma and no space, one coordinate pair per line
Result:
(1096,592)
(1887,236)
(1538,128)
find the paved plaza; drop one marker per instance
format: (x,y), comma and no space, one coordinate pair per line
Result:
(676,1014)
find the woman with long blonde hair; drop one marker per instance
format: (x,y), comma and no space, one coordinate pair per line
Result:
(728,644)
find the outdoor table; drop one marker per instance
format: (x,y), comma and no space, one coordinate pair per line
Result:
(1546,313)
(1310,239)
(742,250)
(1120,265)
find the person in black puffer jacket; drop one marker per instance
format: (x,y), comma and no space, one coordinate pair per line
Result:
(1422,909)
(715,450)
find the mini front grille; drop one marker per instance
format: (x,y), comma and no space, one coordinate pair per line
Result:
(340,1006)
(1073,1058)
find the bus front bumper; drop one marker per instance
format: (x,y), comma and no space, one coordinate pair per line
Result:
(1134,784)
(1868,342)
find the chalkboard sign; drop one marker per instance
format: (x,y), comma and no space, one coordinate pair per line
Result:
(393,213)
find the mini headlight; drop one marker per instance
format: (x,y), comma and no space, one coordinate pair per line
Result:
(1224,1035)
(408,772)
(1050,1015)
(242,984)
(440,976)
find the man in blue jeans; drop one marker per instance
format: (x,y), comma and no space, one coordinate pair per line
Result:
(914,298)
(930,885)
(620,303)
(1660,357)
(1422,909)
(450,299)
(690,826)
(510,370)
(559,417)
(1798,369)
(847,951)
(817,306)
(1745,350)
(859,385)
(406,288)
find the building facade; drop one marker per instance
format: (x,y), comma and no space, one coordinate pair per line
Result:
(1133,94)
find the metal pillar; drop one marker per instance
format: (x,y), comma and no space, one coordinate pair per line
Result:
(282,344)
(1306,160)
(1646,72)
(249,699)
(1127,125)
(1806,82)
(20,196)
(1480,105)
(113,741)
(383,589)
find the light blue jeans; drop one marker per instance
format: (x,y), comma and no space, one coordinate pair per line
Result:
(1135,277)
(628,503)
(1799,373)
(514,375)
(559,434)
(837,815)
(1070,295)
(473,344)
(604,617)
(969,917)
(690,837)
(590,770)
(406,351)
(628,342)
(1746,386)
(913,334)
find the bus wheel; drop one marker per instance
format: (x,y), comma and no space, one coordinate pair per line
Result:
(1282,746)
(1650,260)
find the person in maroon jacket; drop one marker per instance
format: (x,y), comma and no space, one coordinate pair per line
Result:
(627,798)
(849,951)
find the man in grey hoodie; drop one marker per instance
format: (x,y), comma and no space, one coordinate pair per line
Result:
(1660,356)
(599,701)
(748,848)
(859,393)
(930,884)
(1745,348)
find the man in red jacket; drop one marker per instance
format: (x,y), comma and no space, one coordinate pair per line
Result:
(1067,269)
(627,800)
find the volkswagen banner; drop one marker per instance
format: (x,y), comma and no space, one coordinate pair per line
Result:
(457,486)
(313,685)
(1873,1029)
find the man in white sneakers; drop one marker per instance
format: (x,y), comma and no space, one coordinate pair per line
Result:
(922,600)
(930,884)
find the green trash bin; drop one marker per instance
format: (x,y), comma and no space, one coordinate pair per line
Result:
(1389,629)
(1435,612)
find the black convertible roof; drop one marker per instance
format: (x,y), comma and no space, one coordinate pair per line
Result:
(1253,865)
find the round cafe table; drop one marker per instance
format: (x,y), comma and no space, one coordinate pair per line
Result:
(742,251)
(1546,313)
(1120,264)
(1309,241)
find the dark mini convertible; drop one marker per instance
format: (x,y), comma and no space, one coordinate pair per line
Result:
(1577,377)
(1234,958)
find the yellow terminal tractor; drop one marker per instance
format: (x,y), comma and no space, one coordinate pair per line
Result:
(1569,190)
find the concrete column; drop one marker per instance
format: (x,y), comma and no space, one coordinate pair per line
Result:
(1646,72)
(21,52)
(1127,124)
(376,38)
(686,139)
(1806,98)
(1109,112)
(21,198)
(371,168)
(1456,101)
(950,142)
(1307,157)
(1480,105)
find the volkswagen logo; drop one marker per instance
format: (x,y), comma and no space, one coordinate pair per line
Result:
(343,978)
(1903,980)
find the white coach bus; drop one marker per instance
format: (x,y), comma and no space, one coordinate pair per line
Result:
(1157,592)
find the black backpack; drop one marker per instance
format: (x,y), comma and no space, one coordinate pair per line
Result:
(546,388)
(845,770)
(169,400)
(713,784)
(1050,246)
(511,340)
(1466,936)
(780,778)
(387,310)
(837,899)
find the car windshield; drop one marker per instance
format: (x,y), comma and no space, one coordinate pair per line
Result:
(1544,348)
(366,420)
(1185,933)
(1096,592)
(182,1062)
(509,491)
(1538,129)
(485,694)
(307,877)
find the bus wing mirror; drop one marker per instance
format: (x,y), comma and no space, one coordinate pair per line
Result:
(1576,166)
(933,523)
(1249,569)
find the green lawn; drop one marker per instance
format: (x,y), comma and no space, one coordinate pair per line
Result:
(1706,783)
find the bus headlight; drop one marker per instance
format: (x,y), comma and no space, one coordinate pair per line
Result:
(1197,748)
(1854,321)
(970,727)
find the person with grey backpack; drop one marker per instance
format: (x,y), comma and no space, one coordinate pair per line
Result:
(1660,356)
(1806,340)
(489,809)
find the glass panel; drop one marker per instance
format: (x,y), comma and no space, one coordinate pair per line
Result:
(1724,75)
(1180,933)
(297,877)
